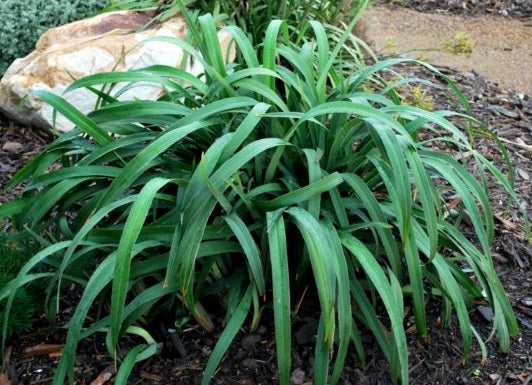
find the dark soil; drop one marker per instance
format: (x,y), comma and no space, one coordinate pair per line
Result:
(251,359)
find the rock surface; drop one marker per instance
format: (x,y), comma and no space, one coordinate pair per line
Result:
(106,42)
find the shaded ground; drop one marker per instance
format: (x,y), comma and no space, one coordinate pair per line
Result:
(252,359)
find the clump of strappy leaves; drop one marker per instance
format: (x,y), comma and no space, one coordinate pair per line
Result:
(253,17)
(294,164)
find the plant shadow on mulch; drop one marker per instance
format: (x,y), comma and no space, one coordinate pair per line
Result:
(251,358)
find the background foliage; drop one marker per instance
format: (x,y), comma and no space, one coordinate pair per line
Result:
(24,21)
(254,16)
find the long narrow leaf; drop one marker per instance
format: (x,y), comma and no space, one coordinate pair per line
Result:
(76,117)
(395,312)
(281,297)
(227,336)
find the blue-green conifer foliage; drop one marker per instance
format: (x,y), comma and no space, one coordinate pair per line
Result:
(24,21)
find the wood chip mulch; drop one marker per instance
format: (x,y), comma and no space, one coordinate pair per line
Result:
(520,9)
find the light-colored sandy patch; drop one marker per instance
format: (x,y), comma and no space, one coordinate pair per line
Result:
(501,48)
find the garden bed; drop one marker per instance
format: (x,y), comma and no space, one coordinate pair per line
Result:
(251,359)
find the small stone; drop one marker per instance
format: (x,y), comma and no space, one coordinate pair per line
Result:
(486,312)
(504,111)
(306,334)
(12,147)
(525,323)
(523,174)
(206,349)
(527,301)
(249,341)
(297,377)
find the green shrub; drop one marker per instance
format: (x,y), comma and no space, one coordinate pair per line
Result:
(24,21)
(238,185)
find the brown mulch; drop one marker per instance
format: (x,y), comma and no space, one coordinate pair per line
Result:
(18,145)
(252,356)
(521,9)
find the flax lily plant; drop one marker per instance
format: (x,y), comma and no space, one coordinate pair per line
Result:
(238,184)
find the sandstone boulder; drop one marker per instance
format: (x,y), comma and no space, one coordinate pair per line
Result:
(106,42)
